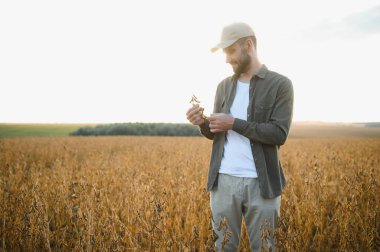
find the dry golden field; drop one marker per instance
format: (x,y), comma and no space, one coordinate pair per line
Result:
(147,194)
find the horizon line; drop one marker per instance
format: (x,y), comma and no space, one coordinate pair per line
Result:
(97,123)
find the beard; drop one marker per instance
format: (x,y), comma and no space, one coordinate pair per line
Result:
(243,64)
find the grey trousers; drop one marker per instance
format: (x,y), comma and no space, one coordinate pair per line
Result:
(235,197)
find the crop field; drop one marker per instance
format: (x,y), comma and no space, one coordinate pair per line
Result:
(148,194)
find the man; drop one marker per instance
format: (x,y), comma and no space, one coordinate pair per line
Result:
(251,120)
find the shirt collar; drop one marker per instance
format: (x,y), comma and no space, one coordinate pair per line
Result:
(262,71)
(261,74)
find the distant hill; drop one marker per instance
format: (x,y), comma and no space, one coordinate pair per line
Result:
(298,129)
(37,129)
(333,130)
(370,124)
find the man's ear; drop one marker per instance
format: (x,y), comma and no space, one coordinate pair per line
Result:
(249,44)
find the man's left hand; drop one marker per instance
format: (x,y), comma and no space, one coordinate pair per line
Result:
(220,122)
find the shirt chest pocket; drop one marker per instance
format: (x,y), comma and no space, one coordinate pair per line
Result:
(262,112)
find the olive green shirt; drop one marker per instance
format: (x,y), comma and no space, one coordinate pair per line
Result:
(269,116)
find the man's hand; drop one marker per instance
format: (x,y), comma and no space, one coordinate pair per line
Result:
(194,115)
(220,122)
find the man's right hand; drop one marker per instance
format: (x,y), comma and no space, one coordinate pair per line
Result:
(194,115)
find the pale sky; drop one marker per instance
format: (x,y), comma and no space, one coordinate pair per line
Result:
(141,61)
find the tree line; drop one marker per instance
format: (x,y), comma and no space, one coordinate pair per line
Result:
(139,129)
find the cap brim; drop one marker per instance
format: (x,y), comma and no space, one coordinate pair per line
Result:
(223,44)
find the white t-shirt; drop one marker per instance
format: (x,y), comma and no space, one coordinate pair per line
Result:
(237,156)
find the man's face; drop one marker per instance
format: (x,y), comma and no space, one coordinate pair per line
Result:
(238,57)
